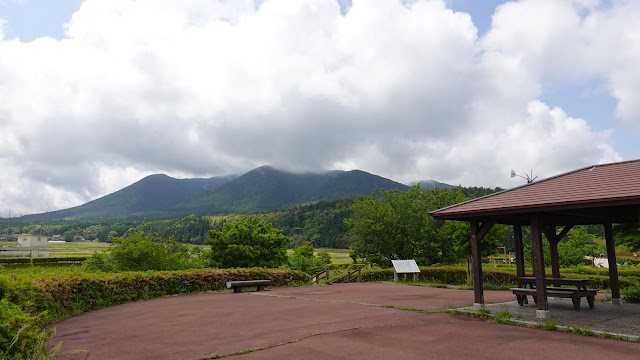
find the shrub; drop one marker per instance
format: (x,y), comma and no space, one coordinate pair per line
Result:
(632,293)
(53,297)
(20,333)
(303,259)
(248,243)
(142,253)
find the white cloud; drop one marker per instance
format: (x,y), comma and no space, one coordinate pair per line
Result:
(203,88)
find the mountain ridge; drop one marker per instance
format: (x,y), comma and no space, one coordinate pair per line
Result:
(262,189)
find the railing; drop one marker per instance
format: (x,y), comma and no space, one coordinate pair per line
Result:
(348,276)
(318,276)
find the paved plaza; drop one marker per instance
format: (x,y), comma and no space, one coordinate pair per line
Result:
(346,321)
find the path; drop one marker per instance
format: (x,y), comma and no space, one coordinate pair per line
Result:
(322,322)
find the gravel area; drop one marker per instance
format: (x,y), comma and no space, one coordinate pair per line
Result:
(623,319)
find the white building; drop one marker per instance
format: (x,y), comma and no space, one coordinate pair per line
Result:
(28,245)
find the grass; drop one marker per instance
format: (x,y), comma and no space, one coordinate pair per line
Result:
(76,248)
(549,324)
(503,317)
(338,256)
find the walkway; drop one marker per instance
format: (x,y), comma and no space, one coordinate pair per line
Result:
(348,321)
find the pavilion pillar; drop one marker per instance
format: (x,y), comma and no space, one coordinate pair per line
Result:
(476,266)
(517,237)
(555,261)
(538,267)
(613,264)
(554,239)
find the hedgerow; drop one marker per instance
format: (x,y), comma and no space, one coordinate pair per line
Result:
(50,297)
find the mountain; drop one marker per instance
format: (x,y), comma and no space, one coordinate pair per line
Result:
(266,188)
(431,184)
(150,197)
(262,189)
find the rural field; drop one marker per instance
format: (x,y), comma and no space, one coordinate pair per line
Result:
(86,248)
(77,248)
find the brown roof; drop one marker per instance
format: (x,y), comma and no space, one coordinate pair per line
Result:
(591,195)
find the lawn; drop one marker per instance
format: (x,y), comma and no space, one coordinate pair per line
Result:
(76,248)
(338,256)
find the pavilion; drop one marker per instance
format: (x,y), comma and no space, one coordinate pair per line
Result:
(599,194)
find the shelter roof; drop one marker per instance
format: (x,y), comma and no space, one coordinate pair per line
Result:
(591,195)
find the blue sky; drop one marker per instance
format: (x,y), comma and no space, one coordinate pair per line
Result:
(404,89)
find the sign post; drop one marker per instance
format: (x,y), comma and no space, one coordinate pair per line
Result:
(405,267)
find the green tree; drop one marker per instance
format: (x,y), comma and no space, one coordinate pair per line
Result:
(571,250)
(142,253)
(304,260)
(397,225)
(628,235)
(248,243)
(578,244)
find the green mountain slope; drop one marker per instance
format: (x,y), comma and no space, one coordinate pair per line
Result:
(262,189)
(151,197)
(265,189)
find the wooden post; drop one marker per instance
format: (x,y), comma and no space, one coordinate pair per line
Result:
(613,264)
(517,236)
(554,239)
(476,266)
(359,274)
(555,261)
(538,267)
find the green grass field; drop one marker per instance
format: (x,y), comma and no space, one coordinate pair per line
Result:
(338,256)
(86,248)
(77,248)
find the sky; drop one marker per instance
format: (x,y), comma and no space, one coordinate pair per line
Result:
(95,95)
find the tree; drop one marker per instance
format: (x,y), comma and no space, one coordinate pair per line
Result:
(397,225)
(303,259)
(628,235)
(142,253)
(571,250)
(248,243)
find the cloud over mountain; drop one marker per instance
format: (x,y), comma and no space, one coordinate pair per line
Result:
(406,90)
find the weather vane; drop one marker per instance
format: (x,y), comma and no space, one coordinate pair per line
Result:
(528,177)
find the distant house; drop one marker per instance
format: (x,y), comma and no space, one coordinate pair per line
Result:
(28,245)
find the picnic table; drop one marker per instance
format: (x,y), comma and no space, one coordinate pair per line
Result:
(577,289)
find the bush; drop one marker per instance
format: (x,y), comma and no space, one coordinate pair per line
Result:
(303,259)
(248,243)
(142,253)
(20,334)
(54,297)
(632,293)
(42,260)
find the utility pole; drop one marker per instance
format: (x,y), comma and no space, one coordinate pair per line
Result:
(9,218)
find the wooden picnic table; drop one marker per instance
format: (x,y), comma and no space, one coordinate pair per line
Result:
(576,291)
(580,284)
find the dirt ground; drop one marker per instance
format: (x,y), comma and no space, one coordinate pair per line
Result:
(347,321)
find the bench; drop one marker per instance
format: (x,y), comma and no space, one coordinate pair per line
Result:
(238,285)
(573,293)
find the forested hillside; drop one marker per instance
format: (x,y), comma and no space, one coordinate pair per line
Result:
(321,223)
(263,189)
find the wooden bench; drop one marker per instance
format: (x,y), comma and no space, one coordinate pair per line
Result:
(238,285)
(573,293)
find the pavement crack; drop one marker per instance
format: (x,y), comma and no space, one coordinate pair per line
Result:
(293,341)
(345,302)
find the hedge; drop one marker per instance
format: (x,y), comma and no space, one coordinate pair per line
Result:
(42,260)
(63,296)
(457,275)
(48,298)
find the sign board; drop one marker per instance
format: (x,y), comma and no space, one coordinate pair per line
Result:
(405,266)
